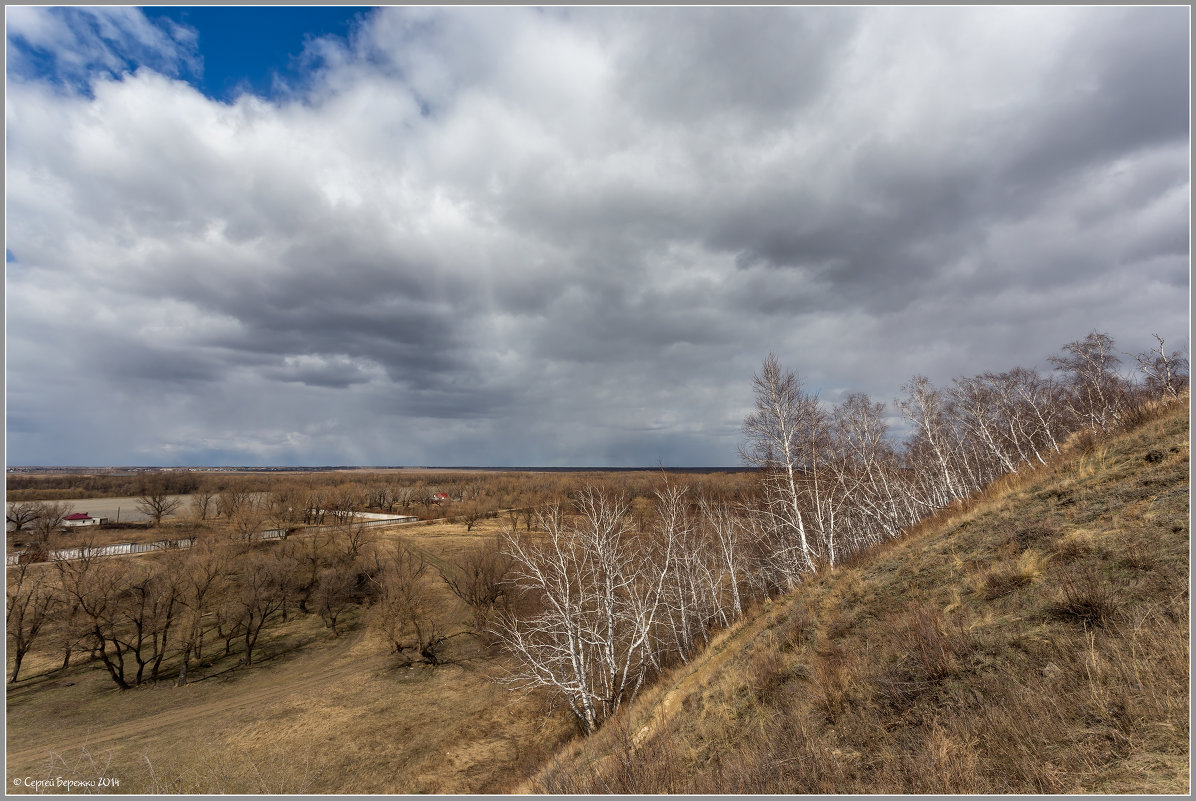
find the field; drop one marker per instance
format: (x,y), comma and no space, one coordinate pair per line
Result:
(122,510)
(317,713)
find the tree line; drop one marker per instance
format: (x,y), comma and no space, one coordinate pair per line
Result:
(616,599)
(153,618)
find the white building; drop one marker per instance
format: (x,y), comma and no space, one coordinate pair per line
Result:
(82,519)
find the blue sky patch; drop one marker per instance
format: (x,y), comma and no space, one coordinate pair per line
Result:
(222,51)
(244,48)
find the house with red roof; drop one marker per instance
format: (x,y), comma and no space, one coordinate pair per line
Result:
(82,519)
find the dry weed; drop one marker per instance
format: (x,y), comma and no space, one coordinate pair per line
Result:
(1085,596)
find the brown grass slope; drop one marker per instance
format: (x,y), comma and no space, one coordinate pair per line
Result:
(1035,641)
(315,713)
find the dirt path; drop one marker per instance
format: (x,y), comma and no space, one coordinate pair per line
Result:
(314,671)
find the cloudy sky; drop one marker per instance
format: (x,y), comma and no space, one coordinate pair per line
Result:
(566,236)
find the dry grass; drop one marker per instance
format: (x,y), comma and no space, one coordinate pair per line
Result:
(1004,578)
(316,714)
(1033,641)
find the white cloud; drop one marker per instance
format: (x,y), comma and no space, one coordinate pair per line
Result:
(77,41)
(567,237)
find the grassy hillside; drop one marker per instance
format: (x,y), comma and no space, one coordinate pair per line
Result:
(1035,641)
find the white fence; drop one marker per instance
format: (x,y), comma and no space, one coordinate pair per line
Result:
(126,548)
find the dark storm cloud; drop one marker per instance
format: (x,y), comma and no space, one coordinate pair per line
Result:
(568,236)
(1111,93)
(337,373)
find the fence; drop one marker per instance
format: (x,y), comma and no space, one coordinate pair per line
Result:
(127,548)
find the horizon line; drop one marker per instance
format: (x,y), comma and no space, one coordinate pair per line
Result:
(372,467)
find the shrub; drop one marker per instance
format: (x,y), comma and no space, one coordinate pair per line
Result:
(1138,556)
(1085,597)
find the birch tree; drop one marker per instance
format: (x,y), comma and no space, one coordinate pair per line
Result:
(1096,397)
(1166,373)
(777,432)
(726,527)
(600,592)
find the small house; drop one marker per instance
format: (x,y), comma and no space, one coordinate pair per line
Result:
(82,519)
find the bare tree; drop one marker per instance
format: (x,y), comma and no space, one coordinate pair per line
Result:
(22,513)
(202,578)
(472,512)
(95,585)
(147,610)
(157,503)
(262,595)
(68,630)
(349,537)
(726,525)
(232,500)
(1166,374)
(31,600)
(49,520)
(310,554)
(315,502)
(203,503)
(1096,399)
(378,496)
(870,472)
(247,521)
(405,612)
(403,496)
(977,405)
(335,592)
(528,513)
(284,506)
(600,591)
(927,408)
(346,499)
(1027,411)
(479,578)
(778,432)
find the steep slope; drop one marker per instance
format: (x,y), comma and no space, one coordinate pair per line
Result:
(1035,641)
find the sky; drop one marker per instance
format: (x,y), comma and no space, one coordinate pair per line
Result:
(564,236)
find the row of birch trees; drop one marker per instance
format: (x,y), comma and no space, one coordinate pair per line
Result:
(609,598)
